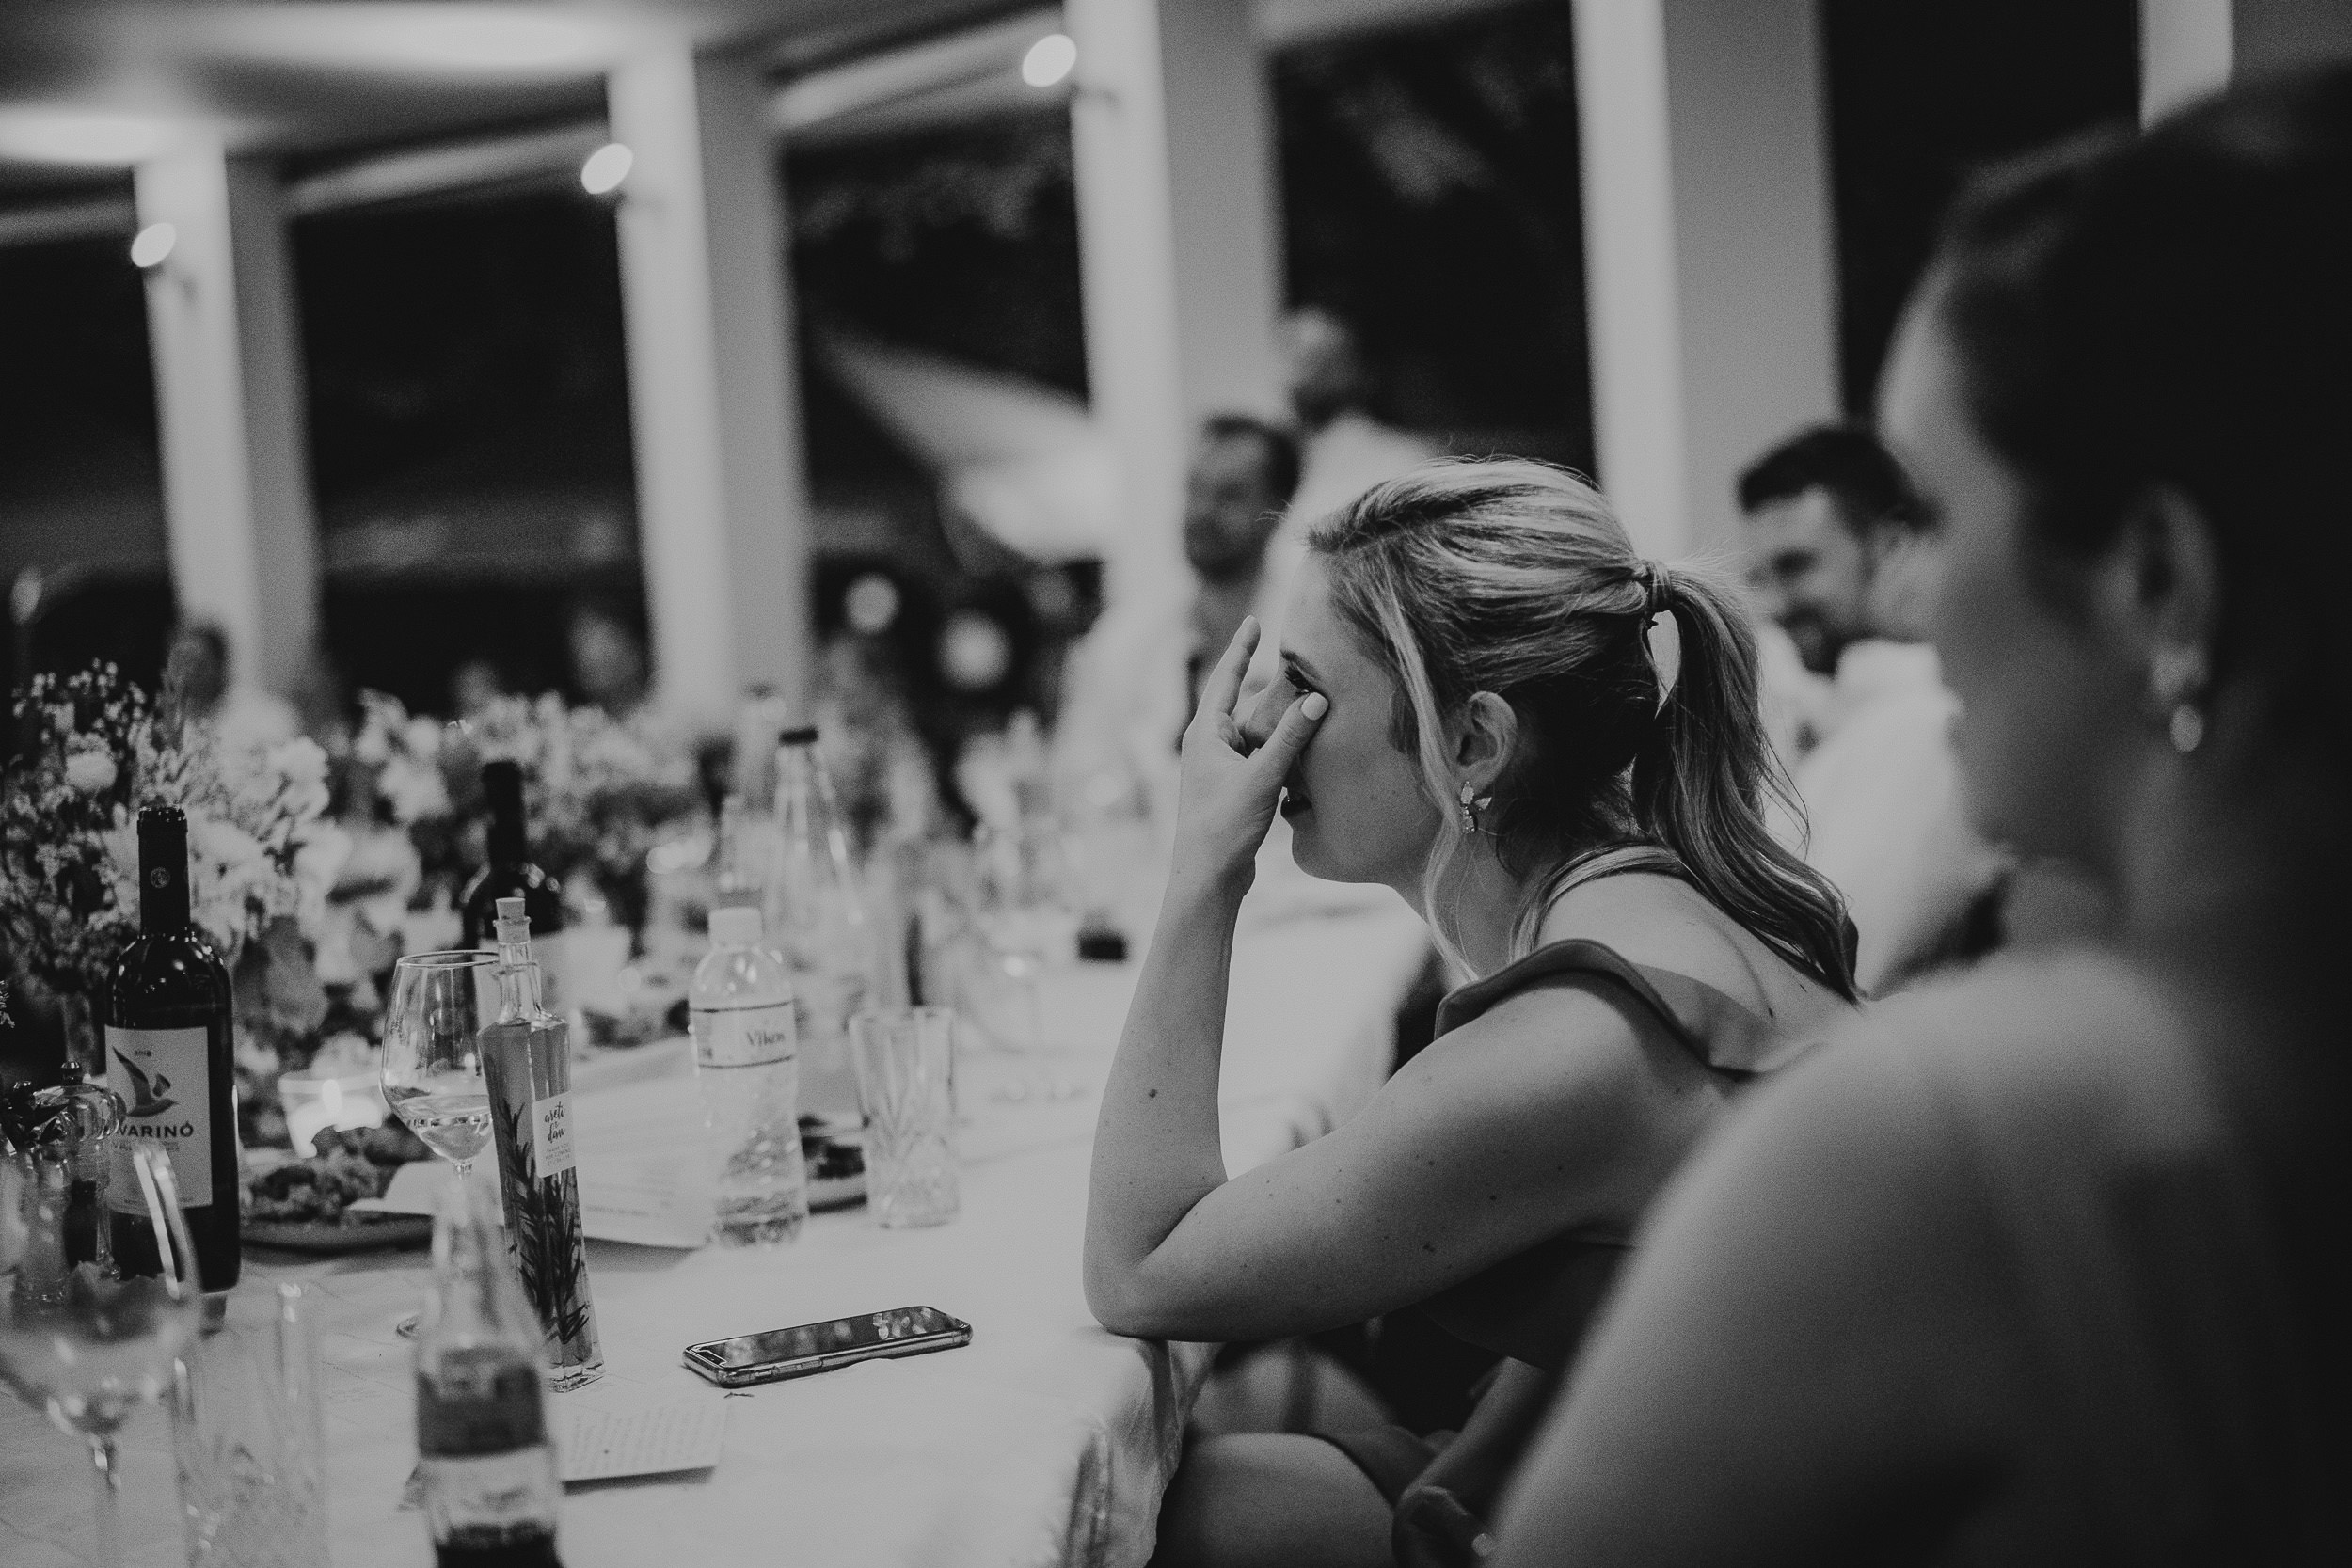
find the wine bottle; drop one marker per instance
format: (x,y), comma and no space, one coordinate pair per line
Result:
(169,1057)
(509,874)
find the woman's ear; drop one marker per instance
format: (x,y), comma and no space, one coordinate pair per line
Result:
(1487,737)
(2158,592)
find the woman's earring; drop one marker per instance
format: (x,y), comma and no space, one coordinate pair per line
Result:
(1473,803)
(2177,678)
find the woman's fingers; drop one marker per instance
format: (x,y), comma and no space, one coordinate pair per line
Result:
(1223,686)
(1274,759)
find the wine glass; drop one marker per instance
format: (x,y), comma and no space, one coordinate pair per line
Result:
(83,1347)
(432,1073)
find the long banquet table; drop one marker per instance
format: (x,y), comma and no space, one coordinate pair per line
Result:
(1047,1441)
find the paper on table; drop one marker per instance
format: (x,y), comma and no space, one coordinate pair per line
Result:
(641,1177)
(607,1442)
(641,1164)
(603,1444)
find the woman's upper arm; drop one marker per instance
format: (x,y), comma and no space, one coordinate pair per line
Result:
(1531,1120)
(1809,1344)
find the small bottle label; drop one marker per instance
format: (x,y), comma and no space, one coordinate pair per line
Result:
(551,1149)
(164,1077)
(743,1036)
(478,1402)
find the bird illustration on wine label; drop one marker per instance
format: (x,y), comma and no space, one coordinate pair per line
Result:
(147,1095)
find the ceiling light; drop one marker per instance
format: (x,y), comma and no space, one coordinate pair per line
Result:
(1049,59)
(73,136)
(606,167)
(153,245)
(503,41)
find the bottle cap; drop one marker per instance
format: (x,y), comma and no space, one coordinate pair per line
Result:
(798,735)
(511,908)
(736,926)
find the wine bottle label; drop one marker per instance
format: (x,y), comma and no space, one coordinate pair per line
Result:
(743,1036)
(551,1149)
(164,1077)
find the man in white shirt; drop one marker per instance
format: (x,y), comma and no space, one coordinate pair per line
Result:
(1838,563)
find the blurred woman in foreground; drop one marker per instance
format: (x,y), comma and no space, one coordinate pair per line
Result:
(2052,1265)
(1468,713)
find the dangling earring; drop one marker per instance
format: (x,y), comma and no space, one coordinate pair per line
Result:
(1470,807)
(2177,678)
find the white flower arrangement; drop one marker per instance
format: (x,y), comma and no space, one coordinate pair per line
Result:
(69,831)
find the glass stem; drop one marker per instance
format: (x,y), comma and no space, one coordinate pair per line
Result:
(103,1461)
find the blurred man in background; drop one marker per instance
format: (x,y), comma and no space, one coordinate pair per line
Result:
(1347,448)
(1132,684)
(607,658)
(1840,563)
(200,681)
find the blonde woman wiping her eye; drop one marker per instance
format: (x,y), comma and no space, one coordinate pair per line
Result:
(1469,714)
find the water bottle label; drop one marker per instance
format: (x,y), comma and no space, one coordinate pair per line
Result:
(164,1077)
(552,1152)
(743,1036)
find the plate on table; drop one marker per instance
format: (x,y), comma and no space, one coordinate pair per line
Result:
(355,1232)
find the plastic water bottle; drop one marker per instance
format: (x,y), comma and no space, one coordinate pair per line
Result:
(747,1069)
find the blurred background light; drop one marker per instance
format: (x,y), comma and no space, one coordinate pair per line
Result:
(606,167)
(975,652)
(1049,59)
(77,136)
(871,604)
(152,245)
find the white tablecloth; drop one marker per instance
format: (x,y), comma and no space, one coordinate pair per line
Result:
(1046,1441)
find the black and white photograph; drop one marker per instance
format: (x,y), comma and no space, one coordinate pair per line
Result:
(1175,783)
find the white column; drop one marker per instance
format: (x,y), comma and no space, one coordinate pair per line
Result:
(1709,263)
(722,509)
(2184,51)
(1179,247)
(229,387)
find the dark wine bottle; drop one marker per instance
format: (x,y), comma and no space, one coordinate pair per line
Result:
(509,874)
(168,1055)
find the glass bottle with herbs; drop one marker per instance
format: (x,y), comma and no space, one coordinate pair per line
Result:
(527,1065)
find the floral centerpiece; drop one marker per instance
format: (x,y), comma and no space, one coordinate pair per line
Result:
(598,792)
(96,749)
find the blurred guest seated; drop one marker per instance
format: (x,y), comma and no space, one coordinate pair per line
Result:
(475,684)
(2048,1265)
(1467,714)
(1130,685)
(201,682)
(608,655)
(1840,563)
(1348,450)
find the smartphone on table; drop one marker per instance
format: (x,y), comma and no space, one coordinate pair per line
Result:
(803,1349)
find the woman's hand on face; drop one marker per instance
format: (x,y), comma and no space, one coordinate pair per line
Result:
(1230,784)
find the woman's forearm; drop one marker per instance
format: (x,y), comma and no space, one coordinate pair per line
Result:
(1157,1143)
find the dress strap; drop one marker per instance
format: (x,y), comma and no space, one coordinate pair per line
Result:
(1721,1033)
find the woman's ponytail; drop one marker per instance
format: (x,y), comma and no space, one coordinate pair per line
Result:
(1701,777)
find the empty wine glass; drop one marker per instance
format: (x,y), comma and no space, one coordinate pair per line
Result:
(86,1348)
(432,1072)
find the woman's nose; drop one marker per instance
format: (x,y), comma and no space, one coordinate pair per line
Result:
(1275,701)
